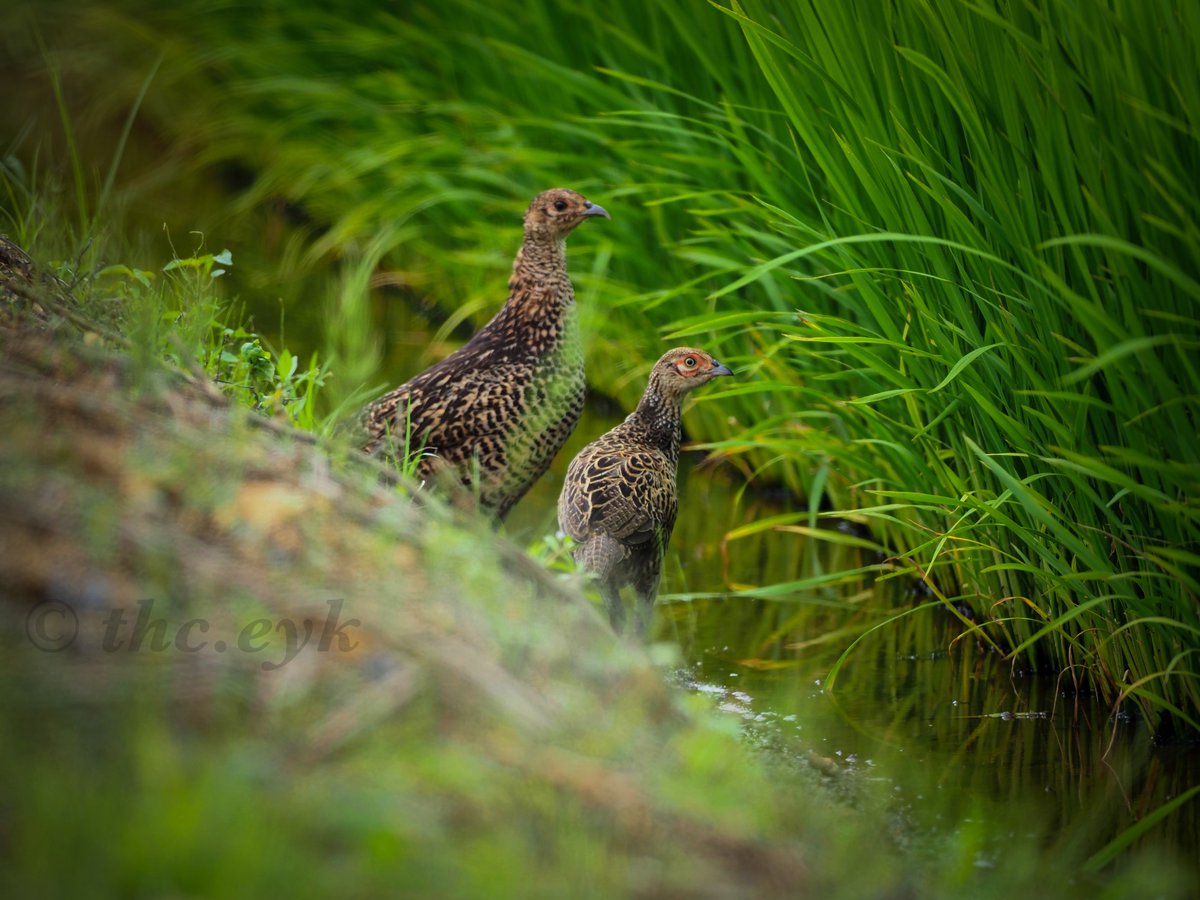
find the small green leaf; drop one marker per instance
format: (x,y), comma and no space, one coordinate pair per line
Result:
(962,364)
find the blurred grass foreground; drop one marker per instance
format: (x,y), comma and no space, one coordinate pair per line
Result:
(237,666)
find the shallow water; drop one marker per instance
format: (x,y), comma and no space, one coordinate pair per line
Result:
(952,731)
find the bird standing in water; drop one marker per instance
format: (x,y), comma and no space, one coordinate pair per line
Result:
(619,499)
(495,412)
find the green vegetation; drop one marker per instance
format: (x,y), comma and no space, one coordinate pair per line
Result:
(951,248)
(471,728)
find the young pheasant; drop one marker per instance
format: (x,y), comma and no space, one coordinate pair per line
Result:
(619,498)
(496,410)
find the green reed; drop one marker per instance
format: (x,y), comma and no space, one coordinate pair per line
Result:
(1011,328)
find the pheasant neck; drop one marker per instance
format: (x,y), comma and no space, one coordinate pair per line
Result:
(657,416)
(539,285)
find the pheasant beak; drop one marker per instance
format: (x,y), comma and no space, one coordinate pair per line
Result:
(594,209)
(719,369)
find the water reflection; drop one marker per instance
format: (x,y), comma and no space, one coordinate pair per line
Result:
(959,733)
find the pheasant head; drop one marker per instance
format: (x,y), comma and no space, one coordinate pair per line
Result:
(553,214)
(684,369)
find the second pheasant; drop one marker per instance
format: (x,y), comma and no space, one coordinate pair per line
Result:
(619,499)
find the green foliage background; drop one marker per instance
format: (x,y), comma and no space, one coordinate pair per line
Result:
(951,248)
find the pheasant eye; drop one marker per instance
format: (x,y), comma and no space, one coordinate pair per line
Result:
(690,362)
(560,205)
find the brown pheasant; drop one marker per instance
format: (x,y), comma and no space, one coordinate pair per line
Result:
(496,410)
(619,498)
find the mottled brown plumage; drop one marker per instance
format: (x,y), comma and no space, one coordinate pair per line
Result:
(496,410)
(619,499)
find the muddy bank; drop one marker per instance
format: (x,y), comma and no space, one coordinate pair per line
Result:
(231,653)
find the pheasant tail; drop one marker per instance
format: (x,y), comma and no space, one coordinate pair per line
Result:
(600,554)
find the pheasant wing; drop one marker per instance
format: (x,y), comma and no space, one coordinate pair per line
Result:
(445,413)
(628,494)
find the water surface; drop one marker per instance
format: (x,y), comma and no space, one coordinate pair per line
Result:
(957,734)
